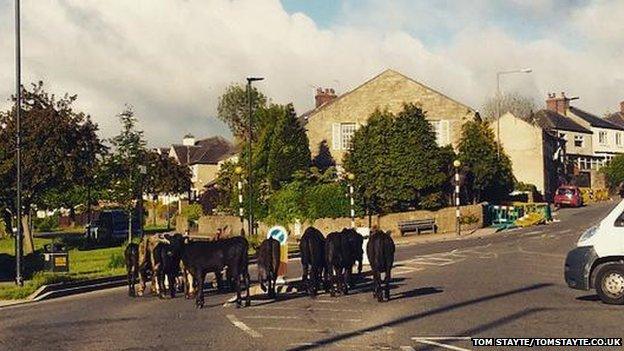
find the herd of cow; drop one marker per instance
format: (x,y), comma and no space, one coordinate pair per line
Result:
(177,262)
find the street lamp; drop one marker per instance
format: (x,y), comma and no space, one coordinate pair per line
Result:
(498,101)
(239,170)
(249,177)
(351,178)
(18,107)
(143,171)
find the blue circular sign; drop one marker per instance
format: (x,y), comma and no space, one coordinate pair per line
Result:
(278,233)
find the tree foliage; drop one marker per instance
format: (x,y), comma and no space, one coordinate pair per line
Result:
(614,172)
(519,105)
(233,109)
(396,161)
(488,177)
(59,147)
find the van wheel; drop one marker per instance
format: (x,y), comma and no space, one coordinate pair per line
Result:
(610,284)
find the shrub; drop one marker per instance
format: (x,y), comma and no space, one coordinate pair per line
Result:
(192,212)
(116,260)
(47,224)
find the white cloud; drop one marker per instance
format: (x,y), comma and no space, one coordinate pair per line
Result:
(172,59)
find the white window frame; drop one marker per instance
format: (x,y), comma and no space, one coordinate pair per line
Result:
(602,137)
(342,133)
(442,130)
(618,138)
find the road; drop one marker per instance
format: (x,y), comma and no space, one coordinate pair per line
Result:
(507,285)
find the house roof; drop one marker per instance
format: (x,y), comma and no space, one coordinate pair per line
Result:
(205,151)
(616,118)
(550,120)
(593,120)
(306,115)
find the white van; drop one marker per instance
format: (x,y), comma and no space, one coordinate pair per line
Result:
(598,260)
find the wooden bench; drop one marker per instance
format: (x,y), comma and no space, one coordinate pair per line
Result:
(417,225)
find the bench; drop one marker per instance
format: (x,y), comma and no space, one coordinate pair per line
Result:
(417,225)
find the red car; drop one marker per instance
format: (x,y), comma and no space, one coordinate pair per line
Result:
(568,195)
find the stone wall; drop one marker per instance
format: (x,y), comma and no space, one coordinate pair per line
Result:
(445,220)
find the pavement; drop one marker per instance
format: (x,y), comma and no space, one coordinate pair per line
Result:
(508,284)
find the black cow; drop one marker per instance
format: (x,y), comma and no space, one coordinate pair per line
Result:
(201,257)
(131,255)
(268,263)
(356,243)
(340,256)
(312,248)
(167,255)
(380,251)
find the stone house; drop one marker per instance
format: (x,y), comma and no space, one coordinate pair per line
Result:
(335,119)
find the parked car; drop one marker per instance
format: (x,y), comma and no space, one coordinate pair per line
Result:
(112,225)
(598,260)
(568,195)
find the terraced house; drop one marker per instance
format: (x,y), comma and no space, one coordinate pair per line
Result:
(335,119)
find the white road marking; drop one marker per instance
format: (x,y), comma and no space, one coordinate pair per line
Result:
(352,320)
(429,341)
(407,348)
(326,301)
(545,254)
(242,326)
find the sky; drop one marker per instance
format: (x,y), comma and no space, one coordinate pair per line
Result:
(171,59)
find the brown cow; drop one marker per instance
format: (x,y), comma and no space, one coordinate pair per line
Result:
(147,260)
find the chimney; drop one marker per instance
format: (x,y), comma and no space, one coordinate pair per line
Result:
(324,96)
(559,104)
(189,140)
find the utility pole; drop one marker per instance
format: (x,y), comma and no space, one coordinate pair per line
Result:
(18,107)
(457,164)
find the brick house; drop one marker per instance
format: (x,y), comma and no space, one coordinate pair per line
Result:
(335,119)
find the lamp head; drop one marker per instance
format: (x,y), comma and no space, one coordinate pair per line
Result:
(254,79)
(526,70)
(457,163)
(350,176)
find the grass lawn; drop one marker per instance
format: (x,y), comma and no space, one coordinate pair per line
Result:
(83,264)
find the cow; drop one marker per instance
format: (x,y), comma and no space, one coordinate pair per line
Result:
(131,255)
(167,256)
(268,263)
(380,251)
(147,261)
(340,257)
(356,243)
(312,248)
(202,257)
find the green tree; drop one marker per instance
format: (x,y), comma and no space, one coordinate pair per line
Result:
(488,177)
(614,171)
(58,146)
(122,169)
(396,161)
(233,109)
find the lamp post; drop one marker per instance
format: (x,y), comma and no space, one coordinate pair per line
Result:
(143,172)
(18,107)
(239,170)
(249,177)
(351,177)
(456,165)
(498,101)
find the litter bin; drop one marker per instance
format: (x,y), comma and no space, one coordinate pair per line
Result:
(55,258)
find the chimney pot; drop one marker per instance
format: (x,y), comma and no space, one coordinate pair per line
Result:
(324,96)
(556,104)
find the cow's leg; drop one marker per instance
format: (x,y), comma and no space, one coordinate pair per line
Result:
(387,279)
(172,284)
(360,268)
(311,282)
(247,284)
(131,281)
(237,286)
(377,285)
(161,283)
(142,280)
(189,290)
(199,295)
(305,280)
(346,280)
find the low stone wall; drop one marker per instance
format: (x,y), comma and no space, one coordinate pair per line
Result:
(445,220)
